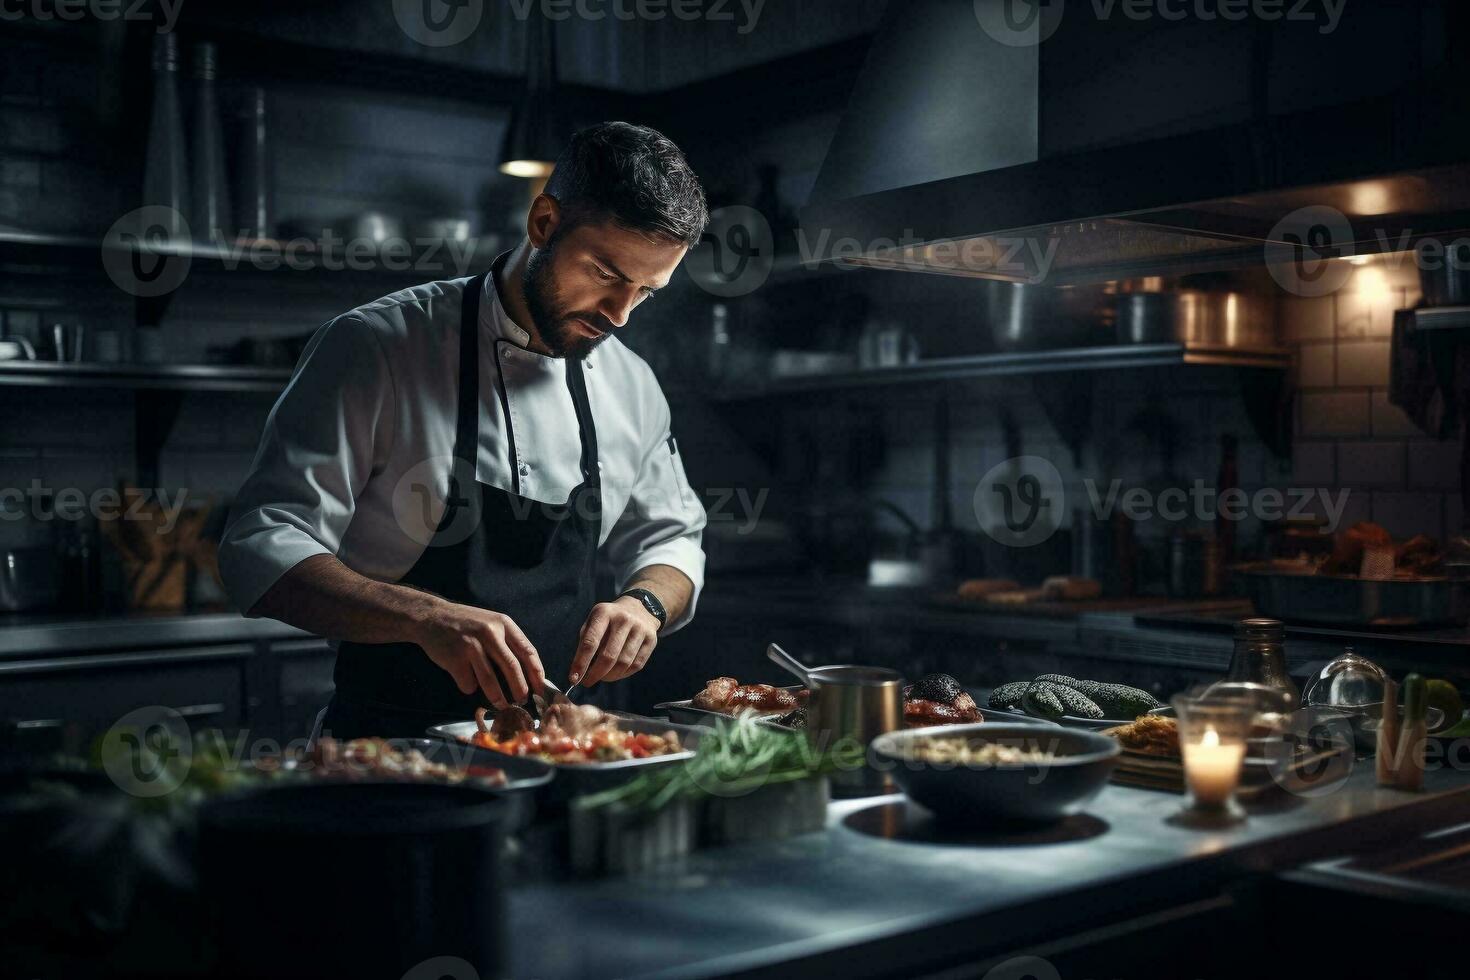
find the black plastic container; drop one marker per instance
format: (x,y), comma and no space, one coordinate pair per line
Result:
(360,880)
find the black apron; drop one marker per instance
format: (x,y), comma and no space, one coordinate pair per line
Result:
(530,560)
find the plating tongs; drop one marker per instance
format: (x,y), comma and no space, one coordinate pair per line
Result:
(550,694)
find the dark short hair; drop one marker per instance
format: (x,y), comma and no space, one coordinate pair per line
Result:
(634,176)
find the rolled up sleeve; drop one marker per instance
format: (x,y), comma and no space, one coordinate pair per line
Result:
(663,522)
(320,444)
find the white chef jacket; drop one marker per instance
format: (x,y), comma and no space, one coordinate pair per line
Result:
(356,455)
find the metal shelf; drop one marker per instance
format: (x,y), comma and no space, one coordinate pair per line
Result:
(143,377)
(1442,318)
(267,256)
(1026,363)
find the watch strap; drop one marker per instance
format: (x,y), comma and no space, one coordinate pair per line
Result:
(651,603)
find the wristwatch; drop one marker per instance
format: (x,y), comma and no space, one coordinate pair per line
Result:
(651,603)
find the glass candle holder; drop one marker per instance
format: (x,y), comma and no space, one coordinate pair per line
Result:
(1212,741)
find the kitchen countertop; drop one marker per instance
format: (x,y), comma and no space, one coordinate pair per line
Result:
(24,636)
(881,892)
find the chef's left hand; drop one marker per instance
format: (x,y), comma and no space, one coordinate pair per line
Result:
(616,641)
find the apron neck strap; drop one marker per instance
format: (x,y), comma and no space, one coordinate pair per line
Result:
(467,424)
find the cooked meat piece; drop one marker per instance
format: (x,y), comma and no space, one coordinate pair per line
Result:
(762,697)
(1347,548)
(716,694)
(979,588)
(570,719)
(1071,587)
(1017,598)
(918,713)
(935,687)
(510,722)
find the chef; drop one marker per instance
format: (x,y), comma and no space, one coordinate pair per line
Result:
(434,486)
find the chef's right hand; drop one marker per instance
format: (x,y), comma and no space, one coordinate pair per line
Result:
(466,640)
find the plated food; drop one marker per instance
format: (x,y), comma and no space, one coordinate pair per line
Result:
(936,699)
(728,696)
(363,759)
(967,752)
(1057,588)
(569,734)
(985,776)
(1149,735)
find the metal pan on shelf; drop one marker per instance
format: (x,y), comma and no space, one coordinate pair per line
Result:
(1300,596)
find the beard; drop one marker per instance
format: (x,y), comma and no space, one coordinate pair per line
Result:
(555,323)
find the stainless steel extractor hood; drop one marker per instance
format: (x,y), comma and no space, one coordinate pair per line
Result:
(1126,144)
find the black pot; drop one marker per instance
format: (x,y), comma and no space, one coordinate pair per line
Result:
(353,879)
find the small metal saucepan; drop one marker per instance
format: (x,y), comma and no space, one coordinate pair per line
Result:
(854,703)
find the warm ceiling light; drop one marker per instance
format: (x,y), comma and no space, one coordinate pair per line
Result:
(527,168)
(533,139)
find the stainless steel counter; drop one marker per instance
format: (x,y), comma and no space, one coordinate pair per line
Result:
(882,892)
(41,636)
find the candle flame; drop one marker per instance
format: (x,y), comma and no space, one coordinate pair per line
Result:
(1210,737)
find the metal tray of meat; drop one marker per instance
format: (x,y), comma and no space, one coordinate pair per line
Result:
(685,713)
(1347,600)
(524,778)
(576,778)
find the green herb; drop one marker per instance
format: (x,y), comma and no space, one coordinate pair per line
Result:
(735,757)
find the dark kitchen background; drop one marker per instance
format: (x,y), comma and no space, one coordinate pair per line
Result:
(836,420)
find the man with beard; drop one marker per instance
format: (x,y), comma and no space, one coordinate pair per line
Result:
(434,485)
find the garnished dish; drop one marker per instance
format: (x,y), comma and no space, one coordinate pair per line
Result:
(1150,735)
(730,697)
(378,759)
(938,699)
(984,776)
(568,734)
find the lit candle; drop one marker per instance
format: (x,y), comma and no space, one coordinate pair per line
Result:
(1212,769)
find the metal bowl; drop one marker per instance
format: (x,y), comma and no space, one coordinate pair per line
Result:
(1007,794)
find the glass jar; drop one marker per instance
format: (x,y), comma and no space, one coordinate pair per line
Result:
(1260,656)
